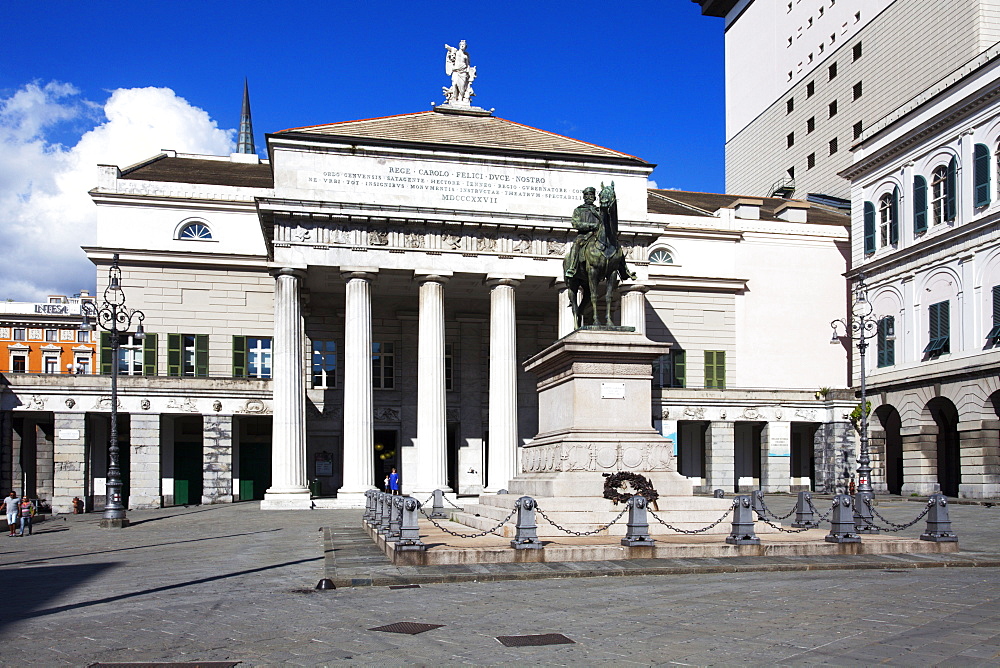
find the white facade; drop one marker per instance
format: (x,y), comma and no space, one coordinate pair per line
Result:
(936,403)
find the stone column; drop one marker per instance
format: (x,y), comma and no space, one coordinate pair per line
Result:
(720,456)
(634,306)
(144,461)
(432,434)
(359,465)
(44,452)
(7,481)
(775,455)
(566,324)
(217,457)
(502,464)
(288,448)
(68,460)
(919,460)
(979,447)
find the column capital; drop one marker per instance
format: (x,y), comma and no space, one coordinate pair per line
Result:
(296,272)
(365,273)
(493,280)
(634,287)
(432,276)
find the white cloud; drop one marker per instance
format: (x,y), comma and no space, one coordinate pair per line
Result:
(46,211)
(651,184)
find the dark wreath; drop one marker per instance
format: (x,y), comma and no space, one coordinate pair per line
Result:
(640,483)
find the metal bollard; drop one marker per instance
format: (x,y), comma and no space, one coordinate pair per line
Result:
(864,521)
(395,518)
(842,521)
(637,533)
(526,537)
(385,503)
(758,501)
(376,519)
(367,517)
(804,516)
(409,531)
(502,491)
(742,532)
(719,493)
(437,510)
(938,523)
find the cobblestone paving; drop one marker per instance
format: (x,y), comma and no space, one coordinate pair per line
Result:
(232,582)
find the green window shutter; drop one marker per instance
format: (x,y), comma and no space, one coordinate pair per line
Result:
(715,369)
(944,325)
(680,364)
(869,228)
(106,353)
(174,354)
(981,175)
(994,333)
(951,187)
(894,221)
(919,205)
(149,355)
(201,355)
(239,357)
(881,341)
(886,344)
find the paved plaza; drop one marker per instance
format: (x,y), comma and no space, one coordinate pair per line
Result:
(231,582)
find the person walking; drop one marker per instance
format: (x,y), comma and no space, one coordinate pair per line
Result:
(26,510)
(10,508)
(394,481)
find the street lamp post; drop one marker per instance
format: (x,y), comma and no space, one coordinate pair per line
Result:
(113,317)
(863,327)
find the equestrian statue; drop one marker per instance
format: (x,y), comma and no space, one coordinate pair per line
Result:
(595,255)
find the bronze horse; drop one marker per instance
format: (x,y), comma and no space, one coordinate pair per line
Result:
(600,259)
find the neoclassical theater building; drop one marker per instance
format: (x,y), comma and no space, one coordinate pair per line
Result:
(366,297)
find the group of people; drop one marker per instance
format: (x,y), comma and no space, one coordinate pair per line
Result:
(19,513)
(391,482)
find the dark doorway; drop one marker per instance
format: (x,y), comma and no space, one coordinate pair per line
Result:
(747,437)
(891,423)
(691,448)
(386,454)
(802,463)
(948,457)
(188,460)
(453,457)
(255,457)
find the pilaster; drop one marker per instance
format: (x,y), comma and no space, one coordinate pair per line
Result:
(217,456)
(144,461)
(69,460)
(919,461)
(980,463)
(720,455)
(775,451)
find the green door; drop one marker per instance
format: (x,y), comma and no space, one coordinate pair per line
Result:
(255,470)
(187,473)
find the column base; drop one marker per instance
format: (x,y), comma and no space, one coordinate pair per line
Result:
(145,502)
(343,500)
(120,523)
(286,501)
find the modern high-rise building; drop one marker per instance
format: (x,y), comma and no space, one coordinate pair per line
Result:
(806,78)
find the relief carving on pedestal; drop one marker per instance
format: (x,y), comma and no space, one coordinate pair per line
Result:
(254,407)
(751,413)
(806,414)
(185,405)
(36,403)
(598,457)
(695,412)
(104,404)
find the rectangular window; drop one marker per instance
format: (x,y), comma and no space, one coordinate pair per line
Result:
(810,161)
(938,316)
(324,364)
(82,336)
(790,140)
(791,173)
(383,366)
(857,90)
(259,357)
(19,334)
(449,368)
(19,363)
(52,335)
(187,355)
(833,146)
(810,88)
(811,124)
(994,334)
(669,369)
(715,369)
(833,67)
(858,129)
(130,356)
(82,364)
(50,364)
(887,341)
(789,105)
(833,109)
(857,50)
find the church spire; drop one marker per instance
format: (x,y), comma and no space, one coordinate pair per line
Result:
(245,143)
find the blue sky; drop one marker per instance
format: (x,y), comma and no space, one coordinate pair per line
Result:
(641,77)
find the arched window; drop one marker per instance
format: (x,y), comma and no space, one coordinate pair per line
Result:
(939,194)
(884,219)
(661,256)
(195,231)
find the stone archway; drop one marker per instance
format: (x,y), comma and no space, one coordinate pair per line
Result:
(949,468)
(890,444)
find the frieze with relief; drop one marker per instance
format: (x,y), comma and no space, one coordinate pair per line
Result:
(599,457)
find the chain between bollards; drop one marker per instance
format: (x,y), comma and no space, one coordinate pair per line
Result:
(822,517)
(898,527)
(581,533)
(771,512)
(780,528)
(469,535)
(694,531)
